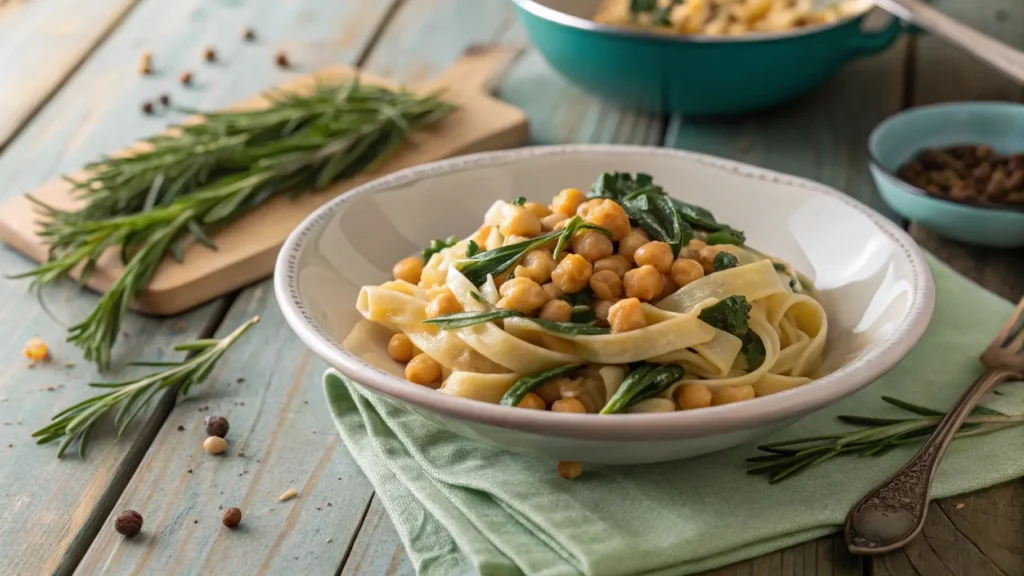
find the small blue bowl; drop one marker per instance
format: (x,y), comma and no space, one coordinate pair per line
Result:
(900,137)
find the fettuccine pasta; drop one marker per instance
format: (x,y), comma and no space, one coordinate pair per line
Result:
(623,300)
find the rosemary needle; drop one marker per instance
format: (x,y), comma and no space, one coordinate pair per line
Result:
(130,397)
(204,175)
(879,435)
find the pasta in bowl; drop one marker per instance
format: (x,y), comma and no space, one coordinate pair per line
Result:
(831,259)
(621,300)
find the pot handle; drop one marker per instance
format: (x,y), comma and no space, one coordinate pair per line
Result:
(874,41)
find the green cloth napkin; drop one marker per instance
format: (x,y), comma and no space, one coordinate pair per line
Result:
(461,507)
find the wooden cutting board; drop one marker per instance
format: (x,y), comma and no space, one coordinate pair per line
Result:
(248,247)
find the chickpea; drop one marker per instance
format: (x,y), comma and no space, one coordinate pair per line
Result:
(516,220)
(628,245)
(617,264)
(592,245)
(570,405)
(408,269)
(730,394)
(626,315)
(706,257)
(537,266)
(480,236)
(569,470)
(556,311)
(572,274)
(532,402)
(422,369)
(538,210)
(644,283)
(400,347)
(567,201)
(551,291)
(551,391)
(694,396)
(443,303)
(657,254)
(521,294)
(548,223)
(601,309)
(606,285)
(607,214)
(668,287)
(692,248)
(514,239)
(685,271)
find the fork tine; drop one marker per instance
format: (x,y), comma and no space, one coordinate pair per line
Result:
(1015,328)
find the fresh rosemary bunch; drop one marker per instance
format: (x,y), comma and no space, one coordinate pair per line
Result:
(204,175)
(130,397)
(878,437)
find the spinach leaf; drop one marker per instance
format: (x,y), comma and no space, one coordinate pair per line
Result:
(726,236)
(472,249)
(779,267)
(724,261)
(753,349)
(436,246)
(645,380)
(527,384)
(519,201)
(464,319)
(647,206)
(730,314)
(582,310)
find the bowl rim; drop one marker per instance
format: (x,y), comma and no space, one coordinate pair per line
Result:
(622,427)
(876,163)
(551,15)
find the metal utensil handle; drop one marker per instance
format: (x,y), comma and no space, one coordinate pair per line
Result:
(893,514)
(1002,57)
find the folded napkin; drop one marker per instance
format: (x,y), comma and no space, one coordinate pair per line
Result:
(462,508)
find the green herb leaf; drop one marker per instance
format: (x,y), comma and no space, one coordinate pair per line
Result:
(645,380)
(464,319)
(730,314)
(519,201)
(647,205)
(436,246)
(582,309)
(779,267)
(753,349)
(527,384)
(725,236)
(472,249)
(572,328)
(725,261)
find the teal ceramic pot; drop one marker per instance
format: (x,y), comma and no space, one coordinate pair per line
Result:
(698,75)
(900,137)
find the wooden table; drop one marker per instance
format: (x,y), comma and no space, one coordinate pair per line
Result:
(69,91)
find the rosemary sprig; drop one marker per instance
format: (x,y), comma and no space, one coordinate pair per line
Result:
(130,397)
(879,436)
(205,175)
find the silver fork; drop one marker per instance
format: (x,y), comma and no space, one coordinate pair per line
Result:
(893,513)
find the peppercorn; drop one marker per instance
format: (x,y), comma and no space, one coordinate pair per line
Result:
(165,99)
(147,107)
(185,78)
(210,55)
(216,426)
(282,59)
(249,35)
(128,523)
(232,517)
(215,445)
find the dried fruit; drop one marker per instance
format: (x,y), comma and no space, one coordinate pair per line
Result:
(972,173)
(128,523)
(288,495)
(36,351)
(232,517)
(216,426)
(215,445)
(147,107)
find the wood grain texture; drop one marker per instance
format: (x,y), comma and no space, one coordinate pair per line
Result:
(980,533)
(821,557)
(281,436)
(43,43)
(377,550)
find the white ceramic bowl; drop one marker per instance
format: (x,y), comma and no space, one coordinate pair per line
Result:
(874,282)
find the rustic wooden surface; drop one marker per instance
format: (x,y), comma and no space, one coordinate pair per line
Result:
(75,93)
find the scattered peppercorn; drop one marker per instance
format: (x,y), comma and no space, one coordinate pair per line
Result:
(185,78)
(181,428)
(972,173)
(128,523)
(215,445)
(146,63)
(232,516)
(282,59)
(249,34)
(216,426)
(165,99)
(147,107)
(210,55)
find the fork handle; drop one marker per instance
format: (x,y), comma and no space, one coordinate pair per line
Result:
(893,513)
